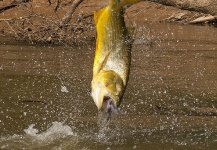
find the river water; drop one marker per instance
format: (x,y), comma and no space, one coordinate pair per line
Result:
(170,101)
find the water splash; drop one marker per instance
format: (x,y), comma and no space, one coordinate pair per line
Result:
(103,123)
(64,89)
(56,130)
(32,139)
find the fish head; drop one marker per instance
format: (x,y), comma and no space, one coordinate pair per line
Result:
(107,90)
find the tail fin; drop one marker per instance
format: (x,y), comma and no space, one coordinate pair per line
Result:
(122,3)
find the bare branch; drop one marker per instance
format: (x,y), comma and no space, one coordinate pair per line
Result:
(13,4)
(57,5)
(49,2)
(68,15)
(204,19)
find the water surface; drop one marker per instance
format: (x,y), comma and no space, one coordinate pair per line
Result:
(170,101)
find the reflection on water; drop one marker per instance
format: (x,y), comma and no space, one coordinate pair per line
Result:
(170,101)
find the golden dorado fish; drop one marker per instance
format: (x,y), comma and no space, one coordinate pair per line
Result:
(112,56)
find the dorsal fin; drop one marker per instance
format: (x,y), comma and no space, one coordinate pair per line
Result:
(97,14)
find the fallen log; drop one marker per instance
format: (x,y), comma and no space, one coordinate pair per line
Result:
(204,6)
(203,19)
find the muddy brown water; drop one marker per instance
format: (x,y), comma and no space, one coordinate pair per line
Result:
(170,101)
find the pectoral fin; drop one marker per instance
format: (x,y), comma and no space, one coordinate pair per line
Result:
(99,65)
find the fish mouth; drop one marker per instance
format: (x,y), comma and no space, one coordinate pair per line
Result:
(109,105)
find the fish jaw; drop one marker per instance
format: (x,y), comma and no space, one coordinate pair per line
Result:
(107,90)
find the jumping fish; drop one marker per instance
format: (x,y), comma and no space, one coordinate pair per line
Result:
(112,56)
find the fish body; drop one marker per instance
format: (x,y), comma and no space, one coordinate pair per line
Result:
(112,56)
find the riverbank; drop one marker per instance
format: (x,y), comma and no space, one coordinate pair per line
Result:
(41,21)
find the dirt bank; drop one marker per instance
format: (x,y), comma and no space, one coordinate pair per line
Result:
(41,20)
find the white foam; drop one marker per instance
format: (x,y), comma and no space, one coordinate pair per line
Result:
(64,89)
(57,129)
(55,136)
(31,131)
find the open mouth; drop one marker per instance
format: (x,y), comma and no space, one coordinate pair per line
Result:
(109,105)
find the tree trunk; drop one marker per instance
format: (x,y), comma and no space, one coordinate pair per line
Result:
(204,6)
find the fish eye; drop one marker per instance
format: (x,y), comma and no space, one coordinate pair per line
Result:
(106,84)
